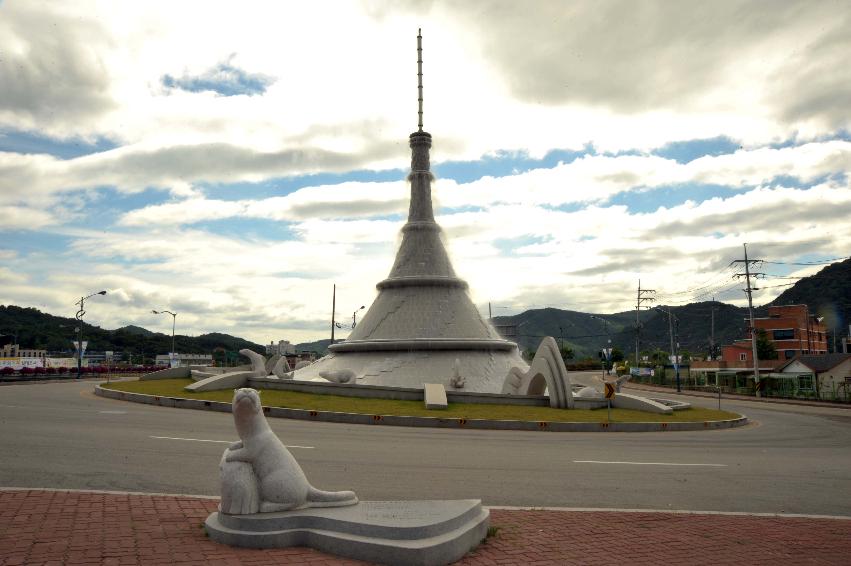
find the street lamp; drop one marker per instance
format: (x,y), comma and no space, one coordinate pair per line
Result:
(79,317)
(173,322)
(355,316)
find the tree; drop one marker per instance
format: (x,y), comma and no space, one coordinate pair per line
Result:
(765,349)
(617,355)
(566,353)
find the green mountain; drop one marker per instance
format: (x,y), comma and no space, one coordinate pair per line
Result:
(35,329)
(828,294)
(586,334)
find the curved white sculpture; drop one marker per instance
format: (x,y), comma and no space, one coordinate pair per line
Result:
(258,473)
(281,369)
(546,372)
(271,363)
(258,362)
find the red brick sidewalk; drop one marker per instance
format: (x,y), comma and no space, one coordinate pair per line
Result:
(60,527)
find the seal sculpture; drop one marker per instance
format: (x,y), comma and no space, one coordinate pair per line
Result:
(258,473)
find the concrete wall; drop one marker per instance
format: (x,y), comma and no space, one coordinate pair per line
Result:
(168,373)
(395,393)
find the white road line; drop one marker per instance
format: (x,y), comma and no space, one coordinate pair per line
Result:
(113,412)
(218,441)
(648,463)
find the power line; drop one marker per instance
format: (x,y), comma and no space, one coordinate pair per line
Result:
(823,262)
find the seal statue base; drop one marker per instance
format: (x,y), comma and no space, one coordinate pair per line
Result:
(385,532)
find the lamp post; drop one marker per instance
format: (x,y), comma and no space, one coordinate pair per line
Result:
(79,317)
(173,322)
(355,316)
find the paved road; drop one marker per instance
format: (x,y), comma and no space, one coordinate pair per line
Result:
(792,459)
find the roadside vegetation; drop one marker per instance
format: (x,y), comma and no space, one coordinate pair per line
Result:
(339,404)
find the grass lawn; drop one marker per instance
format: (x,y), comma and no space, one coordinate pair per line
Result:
(336,403)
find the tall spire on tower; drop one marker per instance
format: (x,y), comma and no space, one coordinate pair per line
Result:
(420,75)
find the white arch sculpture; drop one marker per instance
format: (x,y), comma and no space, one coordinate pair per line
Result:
(548,370)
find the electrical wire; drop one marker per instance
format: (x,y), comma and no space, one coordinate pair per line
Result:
(823,262)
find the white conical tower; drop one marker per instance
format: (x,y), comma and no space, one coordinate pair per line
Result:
(422,319)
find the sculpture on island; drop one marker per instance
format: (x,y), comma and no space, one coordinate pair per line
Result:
(547,372)
(594,386)
(258,473)
(457,381)
(339,376)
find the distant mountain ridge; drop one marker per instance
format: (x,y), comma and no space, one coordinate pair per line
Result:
(35,329)
(828,293)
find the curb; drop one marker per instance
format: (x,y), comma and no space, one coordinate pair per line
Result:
(494,507)
(737,397)
(432,422)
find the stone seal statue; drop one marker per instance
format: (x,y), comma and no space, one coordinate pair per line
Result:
(258,473)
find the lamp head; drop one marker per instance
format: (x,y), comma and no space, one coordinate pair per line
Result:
(362,307)
(155,312)
(101,292)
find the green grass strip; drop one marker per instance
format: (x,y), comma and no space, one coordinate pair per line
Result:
(339,404)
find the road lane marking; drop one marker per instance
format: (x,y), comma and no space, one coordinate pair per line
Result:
(113,412)
(218,441)
(648,463)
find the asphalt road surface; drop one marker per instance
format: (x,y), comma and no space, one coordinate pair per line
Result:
(791,459)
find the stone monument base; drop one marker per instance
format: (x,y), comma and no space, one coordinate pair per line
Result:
(385,532)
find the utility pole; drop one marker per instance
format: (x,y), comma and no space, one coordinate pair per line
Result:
(641,297)
(333,310)
(712,331)
(747,263)
(675,352)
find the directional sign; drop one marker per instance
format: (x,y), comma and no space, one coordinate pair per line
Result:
(610,391)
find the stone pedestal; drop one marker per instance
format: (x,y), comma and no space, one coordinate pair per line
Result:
(385,532)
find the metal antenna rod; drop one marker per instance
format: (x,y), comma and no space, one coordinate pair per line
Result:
(420,75)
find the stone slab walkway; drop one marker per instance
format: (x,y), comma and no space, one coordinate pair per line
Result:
(67,527)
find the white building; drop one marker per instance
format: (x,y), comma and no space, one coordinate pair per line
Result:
(185,360)
(282,348)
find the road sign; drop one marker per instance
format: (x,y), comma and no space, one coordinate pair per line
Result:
(610,391)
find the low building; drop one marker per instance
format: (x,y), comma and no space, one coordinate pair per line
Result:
(185,360)
(825,376)
(15,351)
(734,376)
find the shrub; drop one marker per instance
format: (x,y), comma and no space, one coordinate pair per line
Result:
(7,371)
(50,370)
(39,371)
(27,371)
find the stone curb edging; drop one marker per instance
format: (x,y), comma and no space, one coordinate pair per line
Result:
(490,507)
(433,422)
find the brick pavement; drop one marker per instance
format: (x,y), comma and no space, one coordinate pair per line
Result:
(62,527)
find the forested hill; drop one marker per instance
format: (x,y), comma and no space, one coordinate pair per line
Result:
(35,329)
(828,294)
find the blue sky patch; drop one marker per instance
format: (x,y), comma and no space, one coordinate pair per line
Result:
(670,196)
(17,141)
(503,164)
(685,151)
(224,79)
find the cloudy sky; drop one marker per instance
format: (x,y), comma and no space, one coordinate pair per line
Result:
(232,161)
